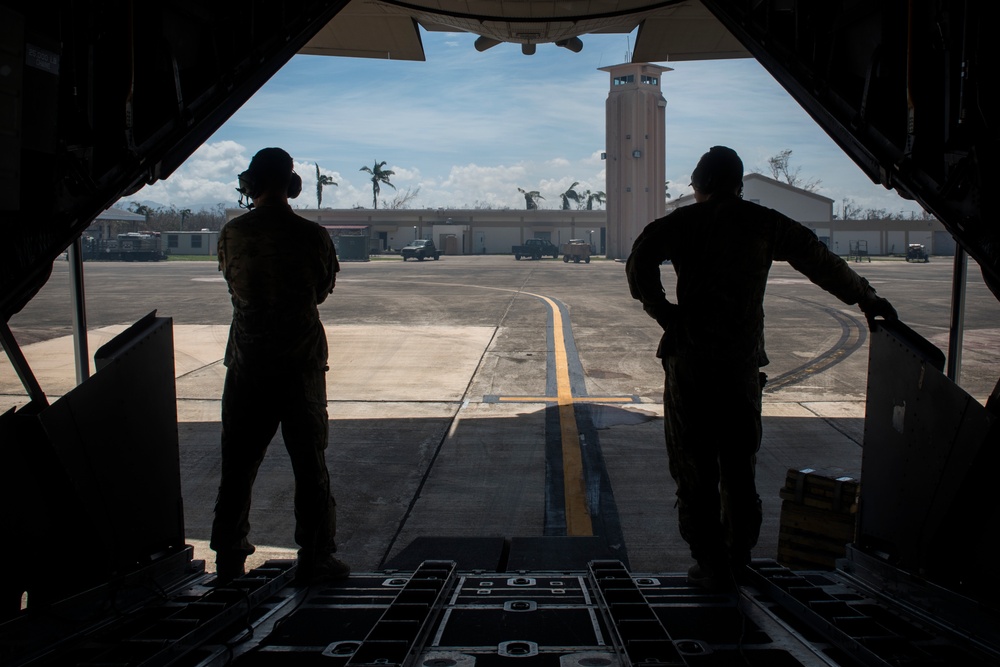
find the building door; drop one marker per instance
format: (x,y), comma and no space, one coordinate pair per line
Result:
(942,243)
(448,244)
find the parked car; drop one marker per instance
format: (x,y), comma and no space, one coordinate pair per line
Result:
(915,252)
(420,249)
(576,250)
(535,249)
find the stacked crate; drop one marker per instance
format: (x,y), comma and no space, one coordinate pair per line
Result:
(818,512)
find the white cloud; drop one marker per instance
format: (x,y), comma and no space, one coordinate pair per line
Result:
(405,174)
(205,179)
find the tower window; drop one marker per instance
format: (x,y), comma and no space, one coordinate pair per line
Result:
(622,80)
(651,80)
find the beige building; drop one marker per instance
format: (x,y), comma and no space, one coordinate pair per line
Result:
(457,231)
(494,232)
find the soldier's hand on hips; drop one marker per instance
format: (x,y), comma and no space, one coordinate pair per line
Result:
(664,313)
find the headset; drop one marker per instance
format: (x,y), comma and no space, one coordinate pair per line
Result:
(250,188)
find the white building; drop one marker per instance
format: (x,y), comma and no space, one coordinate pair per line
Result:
(807,207)
(845,237)
(202,242)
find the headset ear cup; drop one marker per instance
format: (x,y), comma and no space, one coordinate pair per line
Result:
(294,186)
(247,185)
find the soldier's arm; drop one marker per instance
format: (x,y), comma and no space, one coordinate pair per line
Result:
(642,269)
(799,246)
(330,267)
(220,251)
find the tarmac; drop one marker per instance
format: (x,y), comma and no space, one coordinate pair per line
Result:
(480,396)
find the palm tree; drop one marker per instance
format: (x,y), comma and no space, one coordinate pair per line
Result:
(143,210)
(531,198)
(570,194)
(379,175)
(185,212)
(321,180)
(592,197)
(666,187)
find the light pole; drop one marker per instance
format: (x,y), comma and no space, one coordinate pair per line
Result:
(591,240)
(414,232)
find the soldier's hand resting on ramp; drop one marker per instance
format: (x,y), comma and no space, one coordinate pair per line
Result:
(872,305)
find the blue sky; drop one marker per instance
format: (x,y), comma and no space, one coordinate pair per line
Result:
(467,128)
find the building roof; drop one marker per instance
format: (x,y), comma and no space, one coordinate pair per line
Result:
(346,228)
(442,216)
(688,198)
(120,215)
(791,188)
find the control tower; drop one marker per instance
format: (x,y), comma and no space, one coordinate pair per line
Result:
(635,153)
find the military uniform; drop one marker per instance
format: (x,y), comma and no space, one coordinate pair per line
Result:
(712,349)
(279,267)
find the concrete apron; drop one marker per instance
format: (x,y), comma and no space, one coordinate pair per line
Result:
(421,444)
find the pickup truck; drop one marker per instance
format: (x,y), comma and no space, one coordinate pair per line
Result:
(420,249)
(535,249)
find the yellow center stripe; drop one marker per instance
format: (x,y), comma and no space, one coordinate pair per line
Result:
(574,485)
(550,399)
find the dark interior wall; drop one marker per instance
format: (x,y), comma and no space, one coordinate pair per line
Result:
(99,98)
(902,87)
(91,484)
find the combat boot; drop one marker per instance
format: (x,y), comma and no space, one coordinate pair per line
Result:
(711,577)
(323,569)
(229,567)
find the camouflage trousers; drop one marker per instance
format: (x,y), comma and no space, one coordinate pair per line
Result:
(713,432)
(253,406)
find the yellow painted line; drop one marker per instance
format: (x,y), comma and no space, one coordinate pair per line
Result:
(575,489)
(578,521)
(553,399)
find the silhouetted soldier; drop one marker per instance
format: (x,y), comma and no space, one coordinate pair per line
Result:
(712,348)
(279,267)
